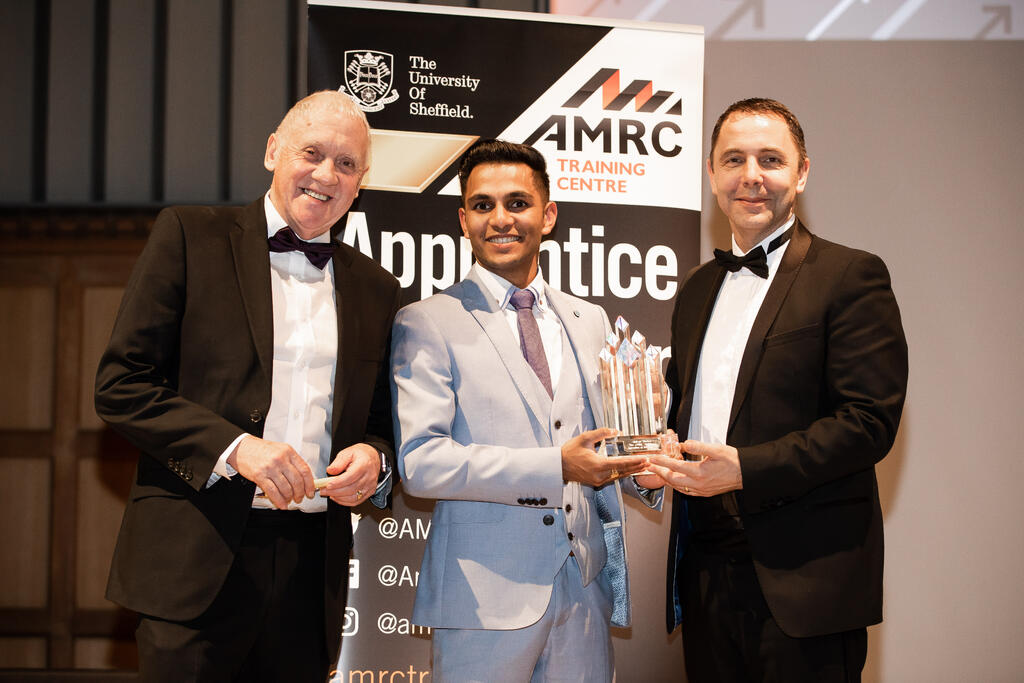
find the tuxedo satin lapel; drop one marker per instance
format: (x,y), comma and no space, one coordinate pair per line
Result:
(698,320)
(252,268)
(483,308)
(792,260)
(347,306)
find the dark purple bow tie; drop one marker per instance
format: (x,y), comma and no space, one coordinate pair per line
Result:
(318,253)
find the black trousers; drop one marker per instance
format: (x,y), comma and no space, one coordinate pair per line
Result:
(267,622)
(729,635)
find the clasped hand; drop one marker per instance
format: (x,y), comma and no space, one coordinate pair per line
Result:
(285,477)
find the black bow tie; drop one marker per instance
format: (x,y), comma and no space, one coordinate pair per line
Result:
(755,260)
(318,253)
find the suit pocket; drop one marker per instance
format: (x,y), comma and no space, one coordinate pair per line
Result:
(147,492)
(838,502)
(472,512)
(807,331)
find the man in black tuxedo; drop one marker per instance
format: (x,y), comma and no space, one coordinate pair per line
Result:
(789,374)
(249,365)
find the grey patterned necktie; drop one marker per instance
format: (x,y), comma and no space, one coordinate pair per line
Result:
(529,337)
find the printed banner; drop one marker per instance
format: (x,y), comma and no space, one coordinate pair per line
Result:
(616,109)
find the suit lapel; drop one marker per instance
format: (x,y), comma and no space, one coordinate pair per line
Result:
(792,259)
(347,308)
(483,308)
(252,268)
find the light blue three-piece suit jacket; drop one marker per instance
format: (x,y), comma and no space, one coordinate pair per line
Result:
(477,431)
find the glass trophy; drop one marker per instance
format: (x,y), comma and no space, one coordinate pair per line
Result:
(635,395)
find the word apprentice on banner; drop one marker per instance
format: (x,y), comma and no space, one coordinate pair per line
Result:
(616,109)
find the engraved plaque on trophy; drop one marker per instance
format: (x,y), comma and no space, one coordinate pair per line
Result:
(635,395)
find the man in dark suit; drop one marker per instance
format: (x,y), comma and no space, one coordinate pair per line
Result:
(249,365)
(789,374)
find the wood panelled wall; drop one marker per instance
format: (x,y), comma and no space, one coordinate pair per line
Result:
(64,477)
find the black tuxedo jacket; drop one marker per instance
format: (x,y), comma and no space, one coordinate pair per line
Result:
(818,401)
(189,367)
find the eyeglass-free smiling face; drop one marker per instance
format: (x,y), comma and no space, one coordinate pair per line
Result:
(318,162)
(756,172)
(505,216)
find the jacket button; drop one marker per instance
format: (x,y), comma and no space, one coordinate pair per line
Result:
(558,424)
(255,415)
(568,507)
(571,536)
(521,501)
(543,501)
(548,520)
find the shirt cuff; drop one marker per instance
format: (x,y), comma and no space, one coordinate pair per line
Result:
(380,496)
(652,497)
(222,468)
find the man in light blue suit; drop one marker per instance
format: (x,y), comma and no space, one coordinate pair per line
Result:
(497,409)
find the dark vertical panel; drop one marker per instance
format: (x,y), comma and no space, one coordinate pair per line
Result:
(129,112)
(227,24)
(40,99)
(160,14)
(65,467)
(259,89)
(295,37)
(192,153)
(101,38)
(70,101)
(18,157)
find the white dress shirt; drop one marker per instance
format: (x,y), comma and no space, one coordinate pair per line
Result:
(501,290)
(305,362)
(736,307)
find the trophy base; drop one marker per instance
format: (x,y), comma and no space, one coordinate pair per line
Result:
(645,444)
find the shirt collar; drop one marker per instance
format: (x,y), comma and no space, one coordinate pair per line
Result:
(275,222)
(501,290)
(767,240)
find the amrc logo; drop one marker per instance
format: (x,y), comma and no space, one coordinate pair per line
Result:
(616,135)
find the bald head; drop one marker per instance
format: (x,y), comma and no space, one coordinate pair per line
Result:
(324,104)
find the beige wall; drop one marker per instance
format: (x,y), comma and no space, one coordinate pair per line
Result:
(917,154)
